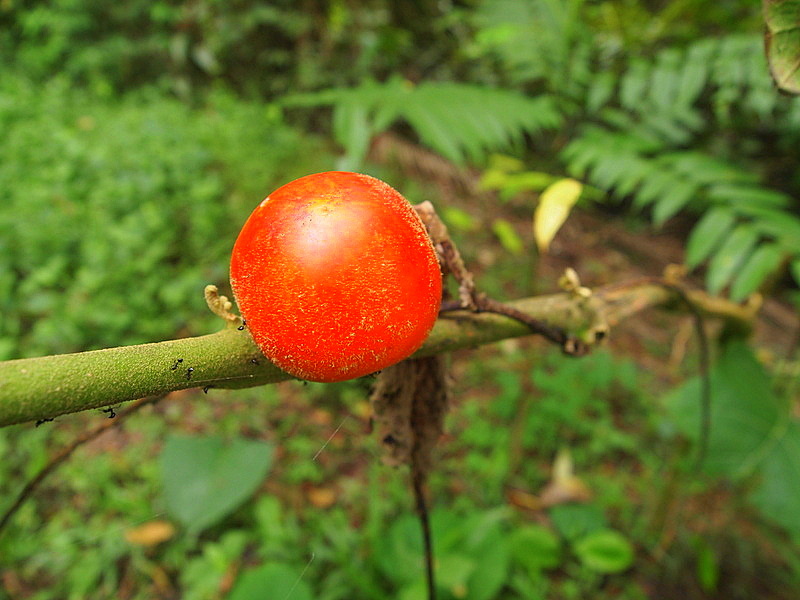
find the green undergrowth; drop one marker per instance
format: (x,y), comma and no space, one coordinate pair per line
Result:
(117,212)
(282,488)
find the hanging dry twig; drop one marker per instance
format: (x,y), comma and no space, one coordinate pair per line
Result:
(410,399)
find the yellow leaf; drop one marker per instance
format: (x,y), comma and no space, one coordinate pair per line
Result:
(553,209)
(151,533)
(564,486)
(321,497)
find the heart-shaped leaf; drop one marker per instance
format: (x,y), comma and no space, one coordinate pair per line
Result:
(206,478)
(277,581)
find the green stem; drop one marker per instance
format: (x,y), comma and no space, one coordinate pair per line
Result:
(48,386)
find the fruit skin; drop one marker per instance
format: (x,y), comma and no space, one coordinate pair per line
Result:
(336,277)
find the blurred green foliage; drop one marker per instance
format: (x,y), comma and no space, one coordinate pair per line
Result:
(688,127)
(365,545)
(116,215)
(261,49)
(135,139)
(766,453)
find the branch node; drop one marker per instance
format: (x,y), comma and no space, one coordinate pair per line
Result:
(674,274)
(571,283)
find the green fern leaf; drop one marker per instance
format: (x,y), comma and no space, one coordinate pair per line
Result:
(704,169)
(708,234)
(460,121)
(730,257)
(665,79)
(780,225)
(432,131)
(761,263)
(636,171)
(673,200)
(351,129)
(600,91)
(634,85)
(694,75)
(751,196)
(653,187)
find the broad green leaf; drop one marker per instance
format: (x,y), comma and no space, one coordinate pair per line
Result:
(778,494)
(605,551)
(274,580)
(761,264)
(206,478)
(577,520)
(666,127)
(536,548)
(511,184)
(453,571)
(783,42)
(399,551)
(466,121)
(708,234)
(491,569)
(745,414)
(637,170)
(554,207)
(752,433)
(416,590)
(508,236)
(730,257)
(493,179)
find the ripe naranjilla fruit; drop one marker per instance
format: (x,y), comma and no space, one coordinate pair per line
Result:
(336,277)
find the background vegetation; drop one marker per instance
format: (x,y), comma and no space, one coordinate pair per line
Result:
(137,137)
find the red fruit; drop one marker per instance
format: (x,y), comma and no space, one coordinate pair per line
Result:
(336,277)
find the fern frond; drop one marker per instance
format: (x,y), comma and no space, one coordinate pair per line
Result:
(745,225)
(645,149)
(460,121)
